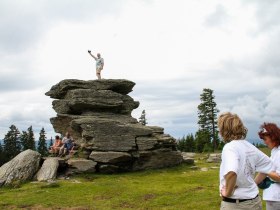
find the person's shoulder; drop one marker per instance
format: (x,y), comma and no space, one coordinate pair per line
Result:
(232,145)
(228,146)
(276,151)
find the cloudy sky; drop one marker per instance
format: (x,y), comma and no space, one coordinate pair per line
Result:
(172,49)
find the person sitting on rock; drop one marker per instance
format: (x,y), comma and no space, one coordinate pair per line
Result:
(68,144)
(56,146)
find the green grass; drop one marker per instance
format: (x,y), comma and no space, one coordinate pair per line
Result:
(174,188)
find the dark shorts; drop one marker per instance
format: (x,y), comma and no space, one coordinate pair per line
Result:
(68,146)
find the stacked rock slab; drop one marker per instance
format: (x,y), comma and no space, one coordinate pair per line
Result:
(98,115)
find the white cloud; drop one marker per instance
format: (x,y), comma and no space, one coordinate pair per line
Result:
(172,50)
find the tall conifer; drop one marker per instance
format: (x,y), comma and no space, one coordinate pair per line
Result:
(42,145)
(12,145)
(207,118)
(24,140)
(30,139)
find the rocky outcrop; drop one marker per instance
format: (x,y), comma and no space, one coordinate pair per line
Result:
(21,168)
(98,115)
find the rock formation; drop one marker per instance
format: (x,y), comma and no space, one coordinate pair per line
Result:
(98,115)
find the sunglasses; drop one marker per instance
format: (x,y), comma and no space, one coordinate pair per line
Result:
(264,131)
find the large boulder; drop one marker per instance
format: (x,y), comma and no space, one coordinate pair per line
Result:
(98,115)
(188,157)
(21,168)
(48,171)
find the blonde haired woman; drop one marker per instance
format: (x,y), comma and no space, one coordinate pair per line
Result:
(240,161)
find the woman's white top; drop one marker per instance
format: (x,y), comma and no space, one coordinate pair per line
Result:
(245,160)
(273,192)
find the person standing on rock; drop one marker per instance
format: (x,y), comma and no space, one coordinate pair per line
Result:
(240,161)
(99,63)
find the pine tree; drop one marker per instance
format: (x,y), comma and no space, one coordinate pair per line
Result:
(51,142)
(190,144)
(24,140)
(207,117)
(30,139)
(202,140)
(2,155)
(142,119)
(42,145)
(12,146)
(181,144)
(186,144)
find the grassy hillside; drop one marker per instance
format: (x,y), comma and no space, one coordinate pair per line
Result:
(180,187)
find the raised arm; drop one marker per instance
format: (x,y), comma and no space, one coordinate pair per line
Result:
(92,55)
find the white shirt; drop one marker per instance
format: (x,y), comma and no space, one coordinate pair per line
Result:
(273,192)
(99,62)
(245,160)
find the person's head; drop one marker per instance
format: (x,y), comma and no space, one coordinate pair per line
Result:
(98,55)
(231,127)
(270,134)
(68,134)
(57,137)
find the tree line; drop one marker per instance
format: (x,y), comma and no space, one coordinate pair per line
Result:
(16,142)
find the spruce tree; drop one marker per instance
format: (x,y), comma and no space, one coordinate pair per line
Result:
(190,144)
(24,140)
(30,139)
(142,119)
(202,140)
(207,117)
(42,145)
(51,142)
(2,155)
(186,144)
(12,146)
(181,144)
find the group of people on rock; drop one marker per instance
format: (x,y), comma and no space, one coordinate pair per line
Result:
(239,187)
(64,146)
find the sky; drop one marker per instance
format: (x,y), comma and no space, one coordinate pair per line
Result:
(171,49)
